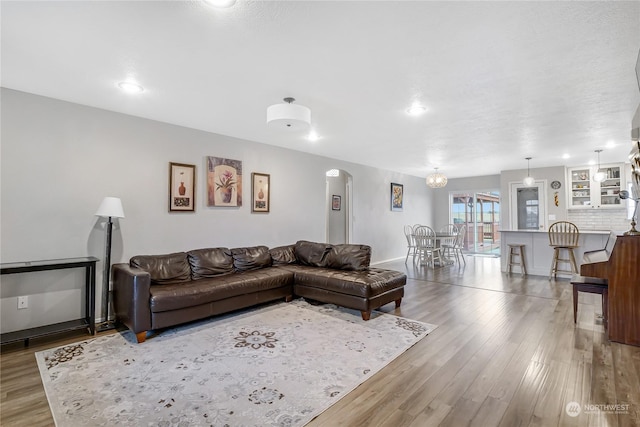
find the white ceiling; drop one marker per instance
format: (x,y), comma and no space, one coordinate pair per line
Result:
(501,80)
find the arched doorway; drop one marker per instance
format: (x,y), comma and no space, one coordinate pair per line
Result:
(338,206)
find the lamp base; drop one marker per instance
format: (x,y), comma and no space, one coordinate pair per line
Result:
(632,231)
(105,326)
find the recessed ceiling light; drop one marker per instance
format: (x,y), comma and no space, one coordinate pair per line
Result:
(313,136)
(220,3)
(416,109)
(130,87)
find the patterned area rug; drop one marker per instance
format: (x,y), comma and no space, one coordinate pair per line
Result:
(279,365)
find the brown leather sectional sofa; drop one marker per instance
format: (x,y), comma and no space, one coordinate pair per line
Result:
(158,291)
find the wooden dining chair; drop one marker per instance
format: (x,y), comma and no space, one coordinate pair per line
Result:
(459,244)
(411,246)
(563,236)
(426,248)
(447,243)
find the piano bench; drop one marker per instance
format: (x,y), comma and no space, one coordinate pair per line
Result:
(594,285)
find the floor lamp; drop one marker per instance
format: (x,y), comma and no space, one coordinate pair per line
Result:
(111,207)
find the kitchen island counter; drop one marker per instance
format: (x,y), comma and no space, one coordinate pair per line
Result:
(538,253)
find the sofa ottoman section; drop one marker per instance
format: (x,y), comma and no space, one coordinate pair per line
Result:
(362,290)
(340,274)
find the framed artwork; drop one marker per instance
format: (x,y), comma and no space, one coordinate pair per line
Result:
(336,202)
(224,182)
(396,197)
(182,185)
(260,192)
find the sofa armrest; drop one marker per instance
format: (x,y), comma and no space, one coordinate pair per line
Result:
(131,297)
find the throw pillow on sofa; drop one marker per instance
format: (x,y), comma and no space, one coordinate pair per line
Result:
(164,269)
(210,262)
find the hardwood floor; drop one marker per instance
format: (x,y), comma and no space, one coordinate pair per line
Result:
(506,353)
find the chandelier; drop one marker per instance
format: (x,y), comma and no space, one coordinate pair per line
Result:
(436,179)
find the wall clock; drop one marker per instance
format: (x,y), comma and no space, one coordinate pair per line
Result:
(555,185)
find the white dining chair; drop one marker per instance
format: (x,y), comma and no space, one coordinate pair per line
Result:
(411,246)
(455,249)
(426,248)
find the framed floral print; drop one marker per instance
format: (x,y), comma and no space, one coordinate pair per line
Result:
(224,182)
(260,192)
(397,197)
(182,186)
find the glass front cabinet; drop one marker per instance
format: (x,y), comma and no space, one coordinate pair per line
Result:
(585,193)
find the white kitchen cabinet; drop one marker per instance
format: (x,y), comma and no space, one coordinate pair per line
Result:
(585,193)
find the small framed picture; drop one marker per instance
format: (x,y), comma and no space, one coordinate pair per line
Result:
(336,203)
(182,186)
(397,197)
(260,192)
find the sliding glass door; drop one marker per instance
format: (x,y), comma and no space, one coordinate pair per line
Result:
(480,212)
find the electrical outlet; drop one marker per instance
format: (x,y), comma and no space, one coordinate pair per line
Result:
(23,302)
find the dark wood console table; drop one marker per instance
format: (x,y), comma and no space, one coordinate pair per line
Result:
(89,321)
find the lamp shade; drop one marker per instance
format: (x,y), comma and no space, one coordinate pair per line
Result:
(289,116)
(111,207)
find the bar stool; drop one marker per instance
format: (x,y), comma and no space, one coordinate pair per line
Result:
(594,285)
(516,250)
(563,236)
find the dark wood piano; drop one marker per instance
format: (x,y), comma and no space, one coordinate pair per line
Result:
(619,263)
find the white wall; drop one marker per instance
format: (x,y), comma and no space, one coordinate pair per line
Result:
(556,173)
(60,159)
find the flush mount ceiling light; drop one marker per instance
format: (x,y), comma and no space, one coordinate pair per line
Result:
(529,181)
(220,3)
(436,180)
(600,175)
(130,87)
(289,116)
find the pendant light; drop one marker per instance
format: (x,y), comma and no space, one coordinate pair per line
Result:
(600,175)
(529,181)
(436,180)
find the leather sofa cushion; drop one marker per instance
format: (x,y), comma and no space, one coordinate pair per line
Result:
(311,253)
(164,269)
(245,259)
(210,262)
(349,257)
(283,255)
(217,289)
